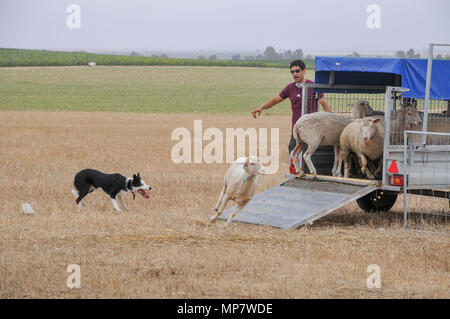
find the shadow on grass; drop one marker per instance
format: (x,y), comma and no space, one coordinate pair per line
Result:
(390,219)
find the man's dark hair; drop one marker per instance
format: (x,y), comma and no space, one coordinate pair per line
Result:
(298,63)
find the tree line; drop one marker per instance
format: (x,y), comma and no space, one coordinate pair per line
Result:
(271,54)
(22,57)
(411,55)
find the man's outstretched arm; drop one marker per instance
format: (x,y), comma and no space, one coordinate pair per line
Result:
(257,112)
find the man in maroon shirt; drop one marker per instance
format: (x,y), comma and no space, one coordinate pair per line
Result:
(294,93)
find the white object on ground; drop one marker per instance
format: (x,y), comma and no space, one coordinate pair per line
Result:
(27,209)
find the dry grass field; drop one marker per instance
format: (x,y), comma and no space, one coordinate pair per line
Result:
(164,247)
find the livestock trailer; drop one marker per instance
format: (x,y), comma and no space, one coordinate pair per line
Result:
(416,158)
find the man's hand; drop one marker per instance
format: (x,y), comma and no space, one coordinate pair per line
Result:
(266,106)
(257,112)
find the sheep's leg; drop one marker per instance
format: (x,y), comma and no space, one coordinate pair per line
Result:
(339,167)
(379,168)
(235,212)
(344,157)
(356,160)
(364,169)
(222,193)
(298,148)
(336,159)
(307,156)
(221,207)
(363,162)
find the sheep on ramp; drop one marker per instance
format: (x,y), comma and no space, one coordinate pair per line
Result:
(240,183)
(321,128)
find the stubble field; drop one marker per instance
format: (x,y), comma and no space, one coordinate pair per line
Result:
(164,247)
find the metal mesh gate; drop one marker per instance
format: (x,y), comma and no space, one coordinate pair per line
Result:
(341,99)
(427,188)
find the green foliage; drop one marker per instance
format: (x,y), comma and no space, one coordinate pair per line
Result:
(271,54)
(400,54)
(19,57)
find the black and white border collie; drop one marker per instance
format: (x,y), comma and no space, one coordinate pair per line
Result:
(87,180)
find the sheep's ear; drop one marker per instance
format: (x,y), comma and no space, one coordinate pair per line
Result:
(376,120)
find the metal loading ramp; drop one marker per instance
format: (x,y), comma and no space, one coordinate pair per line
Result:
(299,201)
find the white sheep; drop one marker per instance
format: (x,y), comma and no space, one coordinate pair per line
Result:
(365,137)
(407,118)
(240,183)
(321,128)
(361,109)
(434,124)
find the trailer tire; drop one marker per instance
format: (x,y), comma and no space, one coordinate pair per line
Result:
(379,200)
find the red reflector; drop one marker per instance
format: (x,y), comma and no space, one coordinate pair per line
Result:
(393,168)
(292,169)
(396,180)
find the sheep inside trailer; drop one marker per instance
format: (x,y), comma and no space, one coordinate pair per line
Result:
(387,85)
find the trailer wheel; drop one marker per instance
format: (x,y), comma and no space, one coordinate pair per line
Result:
(379,200)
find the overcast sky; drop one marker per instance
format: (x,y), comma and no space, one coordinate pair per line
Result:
(225,25)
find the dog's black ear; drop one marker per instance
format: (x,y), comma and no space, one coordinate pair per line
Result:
(134,176)
(139,175)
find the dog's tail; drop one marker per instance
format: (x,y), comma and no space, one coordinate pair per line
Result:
(75,193)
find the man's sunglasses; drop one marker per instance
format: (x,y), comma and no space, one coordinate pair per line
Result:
(295,71)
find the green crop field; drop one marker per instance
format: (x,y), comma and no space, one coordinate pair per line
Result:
(20,57)
(160,89)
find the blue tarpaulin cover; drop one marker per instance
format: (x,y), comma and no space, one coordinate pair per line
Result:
(387,72)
